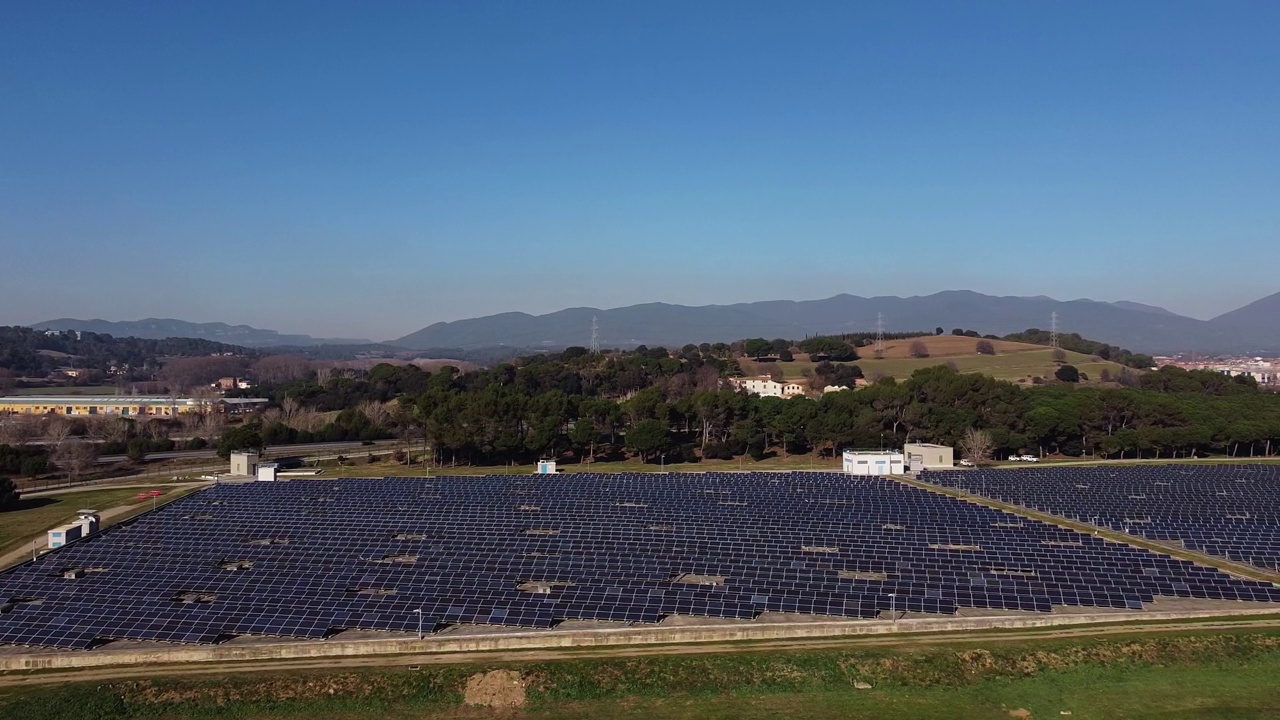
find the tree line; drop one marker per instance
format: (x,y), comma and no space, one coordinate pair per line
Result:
(655,405)
(1075,343)
(35,353)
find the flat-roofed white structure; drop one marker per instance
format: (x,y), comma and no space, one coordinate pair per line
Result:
(874,462)
(764,387)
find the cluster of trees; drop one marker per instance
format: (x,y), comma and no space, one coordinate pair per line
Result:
(1075,343)
(8,494)
(961,332)
(658,404)
(23,460)
(34,353)
(31,446)
(837,348)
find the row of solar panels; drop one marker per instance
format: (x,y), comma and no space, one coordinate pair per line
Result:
(443,581)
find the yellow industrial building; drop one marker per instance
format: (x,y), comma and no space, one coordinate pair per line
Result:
(123,405)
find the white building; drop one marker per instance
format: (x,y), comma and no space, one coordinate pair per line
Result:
(86,524)
(764,387)
(874,462)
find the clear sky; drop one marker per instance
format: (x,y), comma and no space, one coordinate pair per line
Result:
(365,169)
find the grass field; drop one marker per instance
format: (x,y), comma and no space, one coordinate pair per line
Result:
(37,514)
(1013,361)
(1188,675)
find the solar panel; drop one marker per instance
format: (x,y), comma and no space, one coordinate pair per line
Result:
(523,552)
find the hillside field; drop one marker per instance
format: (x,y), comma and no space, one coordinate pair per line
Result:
(1013,361)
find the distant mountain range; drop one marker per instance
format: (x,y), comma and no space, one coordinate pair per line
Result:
(1260,315)
(1253,329)
(161,328)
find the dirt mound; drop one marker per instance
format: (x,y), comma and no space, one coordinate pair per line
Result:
(495,689)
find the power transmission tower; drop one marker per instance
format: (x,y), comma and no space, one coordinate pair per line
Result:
(595,335)
(1053,331)
(879,335)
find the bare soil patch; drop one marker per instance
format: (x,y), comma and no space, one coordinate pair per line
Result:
(501,689)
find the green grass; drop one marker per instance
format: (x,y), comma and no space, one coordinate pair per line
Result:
(1011,366)
(1192,676)
(1232,691)
(35,515)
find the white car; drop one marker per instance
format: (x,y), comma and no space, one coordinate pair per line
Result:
(965,462)
(1029,458)
(1015,458)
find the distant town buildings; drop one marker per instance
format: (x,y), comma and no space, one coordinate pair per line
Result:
(1264,371)
(231,383)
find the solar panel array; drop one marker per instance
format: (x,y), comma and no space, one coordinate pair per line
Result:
(304,559)
(1231,511)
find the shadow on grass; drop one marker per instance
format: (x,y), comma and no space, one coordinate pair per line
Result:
(30,504)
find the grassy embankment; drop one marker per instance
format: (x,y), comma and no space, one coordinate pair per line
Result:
(1191,675)
(1013,361)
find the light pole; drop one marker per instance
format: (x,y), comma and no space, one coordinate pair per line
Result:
(893,608)
(418,612)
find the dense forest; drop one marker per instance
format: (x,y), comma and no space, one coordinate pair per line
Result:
(658,404)
(35,353)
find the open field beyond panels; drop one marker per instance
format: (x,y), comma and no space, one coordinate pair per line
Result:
(37,514)
(1013,361)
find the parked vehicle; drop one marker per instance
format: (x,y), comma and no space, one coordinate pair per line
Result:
(965,462)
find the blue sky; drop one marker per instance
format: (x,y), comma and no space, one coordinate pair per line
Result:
(365,169)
